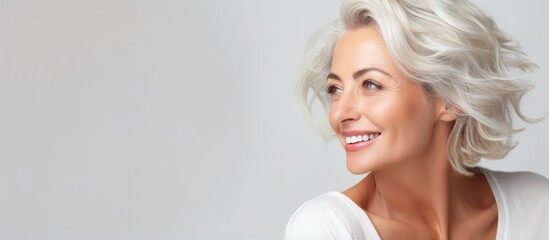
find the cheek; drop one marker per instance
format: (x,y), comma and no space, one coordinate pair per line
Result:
(387,112)
(406,122)
(419,117)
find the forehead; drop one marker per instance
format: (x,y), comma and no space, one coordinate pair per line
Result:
(362,48)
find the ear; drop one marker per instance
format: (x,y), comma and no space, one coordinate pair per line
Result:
(445,113)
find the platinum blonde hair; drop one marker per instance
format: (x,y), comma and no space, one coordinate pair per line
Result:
(455,51)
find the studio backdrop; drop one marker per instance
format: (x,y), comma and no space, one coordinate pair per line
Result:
(173,119)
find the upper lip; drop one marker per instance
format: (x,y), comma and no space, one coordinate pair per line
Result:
(356,133)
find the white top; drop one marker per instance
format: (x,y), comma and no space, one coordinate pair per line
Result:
(522,199)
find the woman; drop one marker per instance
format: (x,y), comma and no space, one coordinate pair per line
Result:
(418,92)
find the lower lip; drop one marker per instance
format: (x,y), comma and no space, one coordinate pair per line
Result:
(353,147)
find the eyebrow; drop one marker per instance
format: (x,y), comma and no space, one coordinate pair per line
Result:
(357,74)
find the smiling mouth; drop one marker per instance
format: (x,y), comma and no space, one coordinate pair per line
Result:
(361,138)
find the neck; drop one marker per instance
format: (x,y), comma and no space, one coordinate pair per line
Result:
(416,195)
(422,190)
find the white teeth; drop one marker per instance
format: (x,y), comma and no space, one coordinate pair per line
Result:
(360,138)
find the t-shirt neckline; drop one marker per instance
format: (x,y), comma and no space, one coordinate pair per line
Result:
(492,182)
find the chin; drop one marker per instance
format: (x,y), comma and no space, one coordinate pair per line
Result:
(357,167)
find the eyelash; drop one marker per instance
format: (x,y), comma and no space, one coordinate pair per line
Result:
(367,82)
(331,89)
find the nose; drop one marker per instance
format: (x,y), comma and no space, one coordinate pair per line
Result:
(345,109)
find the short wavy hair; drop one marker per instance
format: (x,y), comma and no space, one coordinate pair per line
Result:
(455,51)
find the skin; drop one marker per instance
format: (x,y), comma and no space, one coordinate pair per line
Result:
(411,191)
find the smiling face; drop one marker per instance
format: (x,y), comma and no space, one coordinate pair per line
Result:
(381,117)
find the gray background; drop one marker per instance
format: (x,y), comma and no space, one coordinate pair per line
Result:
(178,119)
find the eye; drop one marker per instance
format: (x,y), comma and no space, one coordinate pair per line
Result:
(332,89)
(369,85)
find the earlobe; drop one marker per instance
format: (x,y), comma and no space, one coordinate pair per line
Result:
(447,114)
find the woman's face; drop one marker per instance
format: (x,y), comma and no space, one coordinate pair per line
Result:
(381,117)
